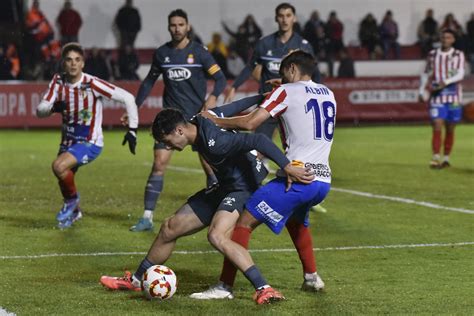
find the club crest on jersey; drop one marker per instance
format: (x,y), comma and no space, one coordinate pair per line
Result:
(274,66)
(178,73)
(190,59)
(84,87)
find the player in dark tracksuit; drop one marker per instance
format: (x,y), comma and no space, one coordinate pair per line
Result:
(268,53)
(239,173)
(185,65)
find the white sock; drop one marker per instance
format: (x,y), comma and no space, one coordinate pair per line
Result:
(310,276)
(446,158)
(436,157)
(148,214)
(135,281)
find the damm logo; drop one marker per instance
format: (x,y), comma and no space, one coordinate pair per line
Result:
(274,66)
(178,73)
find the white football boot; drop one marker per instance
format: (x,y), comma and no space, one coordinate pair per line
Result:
(215,292)
(312,283)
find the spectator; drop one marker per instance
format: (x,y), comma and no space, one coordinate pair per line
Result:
(334,31)
(129,23)
(219,51)
(96,64)
(245,38)
(369,34)
(428,33)
(235,64)
(5,65)
(128,63)
(450,23)
(470,41)
(69,22)
(14,59)
(310,32)
(346,66)
(389,35)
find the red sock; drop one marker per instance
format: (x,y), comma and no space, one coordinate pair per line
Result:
(436,141)
(448,142)
(303,242)
(67,185)
(241,235)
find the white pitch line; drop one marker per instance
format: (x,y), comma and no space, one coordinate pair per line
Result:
(367,194)
(201,252)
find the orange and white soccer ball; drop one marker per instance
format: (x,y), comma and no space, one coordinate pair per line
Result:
(159,283)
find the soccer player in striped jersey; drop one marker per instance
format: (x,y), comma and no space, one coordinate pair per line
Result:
(78,96)
(306,112)
(445,71)
(184,65)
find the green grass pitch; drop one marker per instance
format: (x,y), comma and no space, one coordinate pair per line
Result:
(435,277)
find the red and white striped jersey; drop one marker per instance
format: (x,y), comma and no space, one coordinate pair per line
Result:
(307,117)
(82,120)
(448,68)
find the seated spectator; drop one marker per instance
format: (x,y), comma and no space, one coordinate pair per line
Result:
(346,66)
(69,22)
(389,35)
(219,51)
(14,59)
(96,64)
(128,63)
(369,34)
(235,64)
(5,65)
(310,32)
(428,33)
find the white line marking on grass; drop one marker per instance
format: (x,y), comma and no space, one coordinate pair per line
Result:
(367,194)
(203,252)
(403,200)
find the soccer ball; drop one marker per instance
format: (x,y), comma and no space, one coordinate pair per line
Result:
(159,283)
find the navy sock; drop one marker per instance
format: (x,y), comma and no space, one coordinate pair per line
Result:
(144,265)
(255,277)
(153,188)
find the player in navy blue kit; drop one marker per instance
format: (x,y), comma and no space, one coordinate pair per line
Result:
(184,65)
(239,173)
(268,53)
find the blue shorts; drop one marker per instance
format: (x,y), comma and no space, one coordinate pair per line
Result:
(83,152)
(271,205)
(446,111)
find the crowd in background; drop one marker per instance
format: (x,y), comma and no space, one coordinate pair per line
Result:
(41,48)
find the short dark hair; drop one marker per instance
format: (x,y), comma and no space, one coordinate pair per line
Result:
(69,47)
(450,31)
(303,60)
(178,12)
(284,5)
(166,121)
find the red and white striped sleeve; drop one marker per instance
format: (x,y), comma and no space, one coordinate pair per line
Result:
(110,91)
(44,108)
(274,103)
(459,69)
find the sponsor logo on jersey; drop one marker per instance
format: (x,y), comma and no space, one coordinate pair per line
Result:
(190,59)
(229,201)
(274,66)
(268,212)
(178,73)
(85,115)
(319,170)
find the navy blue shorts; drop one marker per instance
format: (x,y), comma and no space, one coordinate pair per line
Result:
(446,111)
(271,205)
(206,205)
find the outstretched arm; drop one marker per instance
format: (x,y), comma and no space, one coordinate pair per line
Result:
(237,107)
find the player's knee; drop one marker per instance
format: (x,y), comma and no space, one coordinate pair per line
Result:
(158,169)
(168,230)
(216,238)
(58,168)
